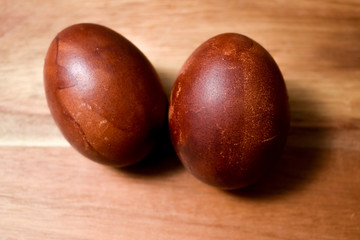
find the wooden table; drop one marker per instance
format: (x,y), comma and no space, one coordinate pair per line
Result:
(49,191)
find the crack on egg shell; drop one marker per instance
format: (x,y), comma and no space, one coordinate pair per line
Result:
(87,107)
(270,138)
(88,145)
(61,85)
(81,122)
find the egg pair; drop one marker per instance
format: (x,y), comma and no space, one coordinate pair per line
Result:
(228,114)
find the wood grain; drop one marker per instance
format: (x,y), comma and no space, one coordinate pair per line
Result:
(49,191)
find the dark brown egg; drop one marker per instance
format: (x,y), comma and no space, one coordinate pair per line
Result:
(103,94)
(229,112)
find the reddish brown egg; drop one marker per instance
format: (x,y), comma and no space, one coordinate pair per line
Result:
(103,94)
(229,112)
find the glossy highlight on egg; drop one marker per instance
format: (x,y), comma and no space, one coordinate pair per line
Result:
(104,94)
(229,112)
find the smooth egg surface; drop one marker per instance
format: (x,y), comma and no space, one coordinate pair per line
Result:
(229,112)
(103,94)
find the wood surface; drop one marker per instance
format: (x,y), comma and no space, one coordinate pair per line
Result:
(49,191)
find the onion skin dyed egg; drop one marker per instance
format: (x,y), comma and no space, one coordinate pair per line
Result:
(229,112)
(104,94)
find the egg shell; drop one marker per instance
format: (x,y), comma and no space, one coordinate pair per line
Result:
(104,94)
(229,112)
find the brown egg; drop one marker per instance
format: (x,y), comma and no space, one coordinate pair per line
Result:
(229,112)
(103,94)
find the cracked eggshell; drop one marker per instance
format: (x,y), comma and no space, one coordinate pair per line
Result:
(229,112)
(103,94)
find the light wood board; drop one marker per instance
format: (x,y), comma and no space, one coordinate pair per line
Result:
(49,191)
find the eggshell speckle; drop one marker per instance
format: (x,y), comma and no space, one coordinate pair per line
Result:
(229,112)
